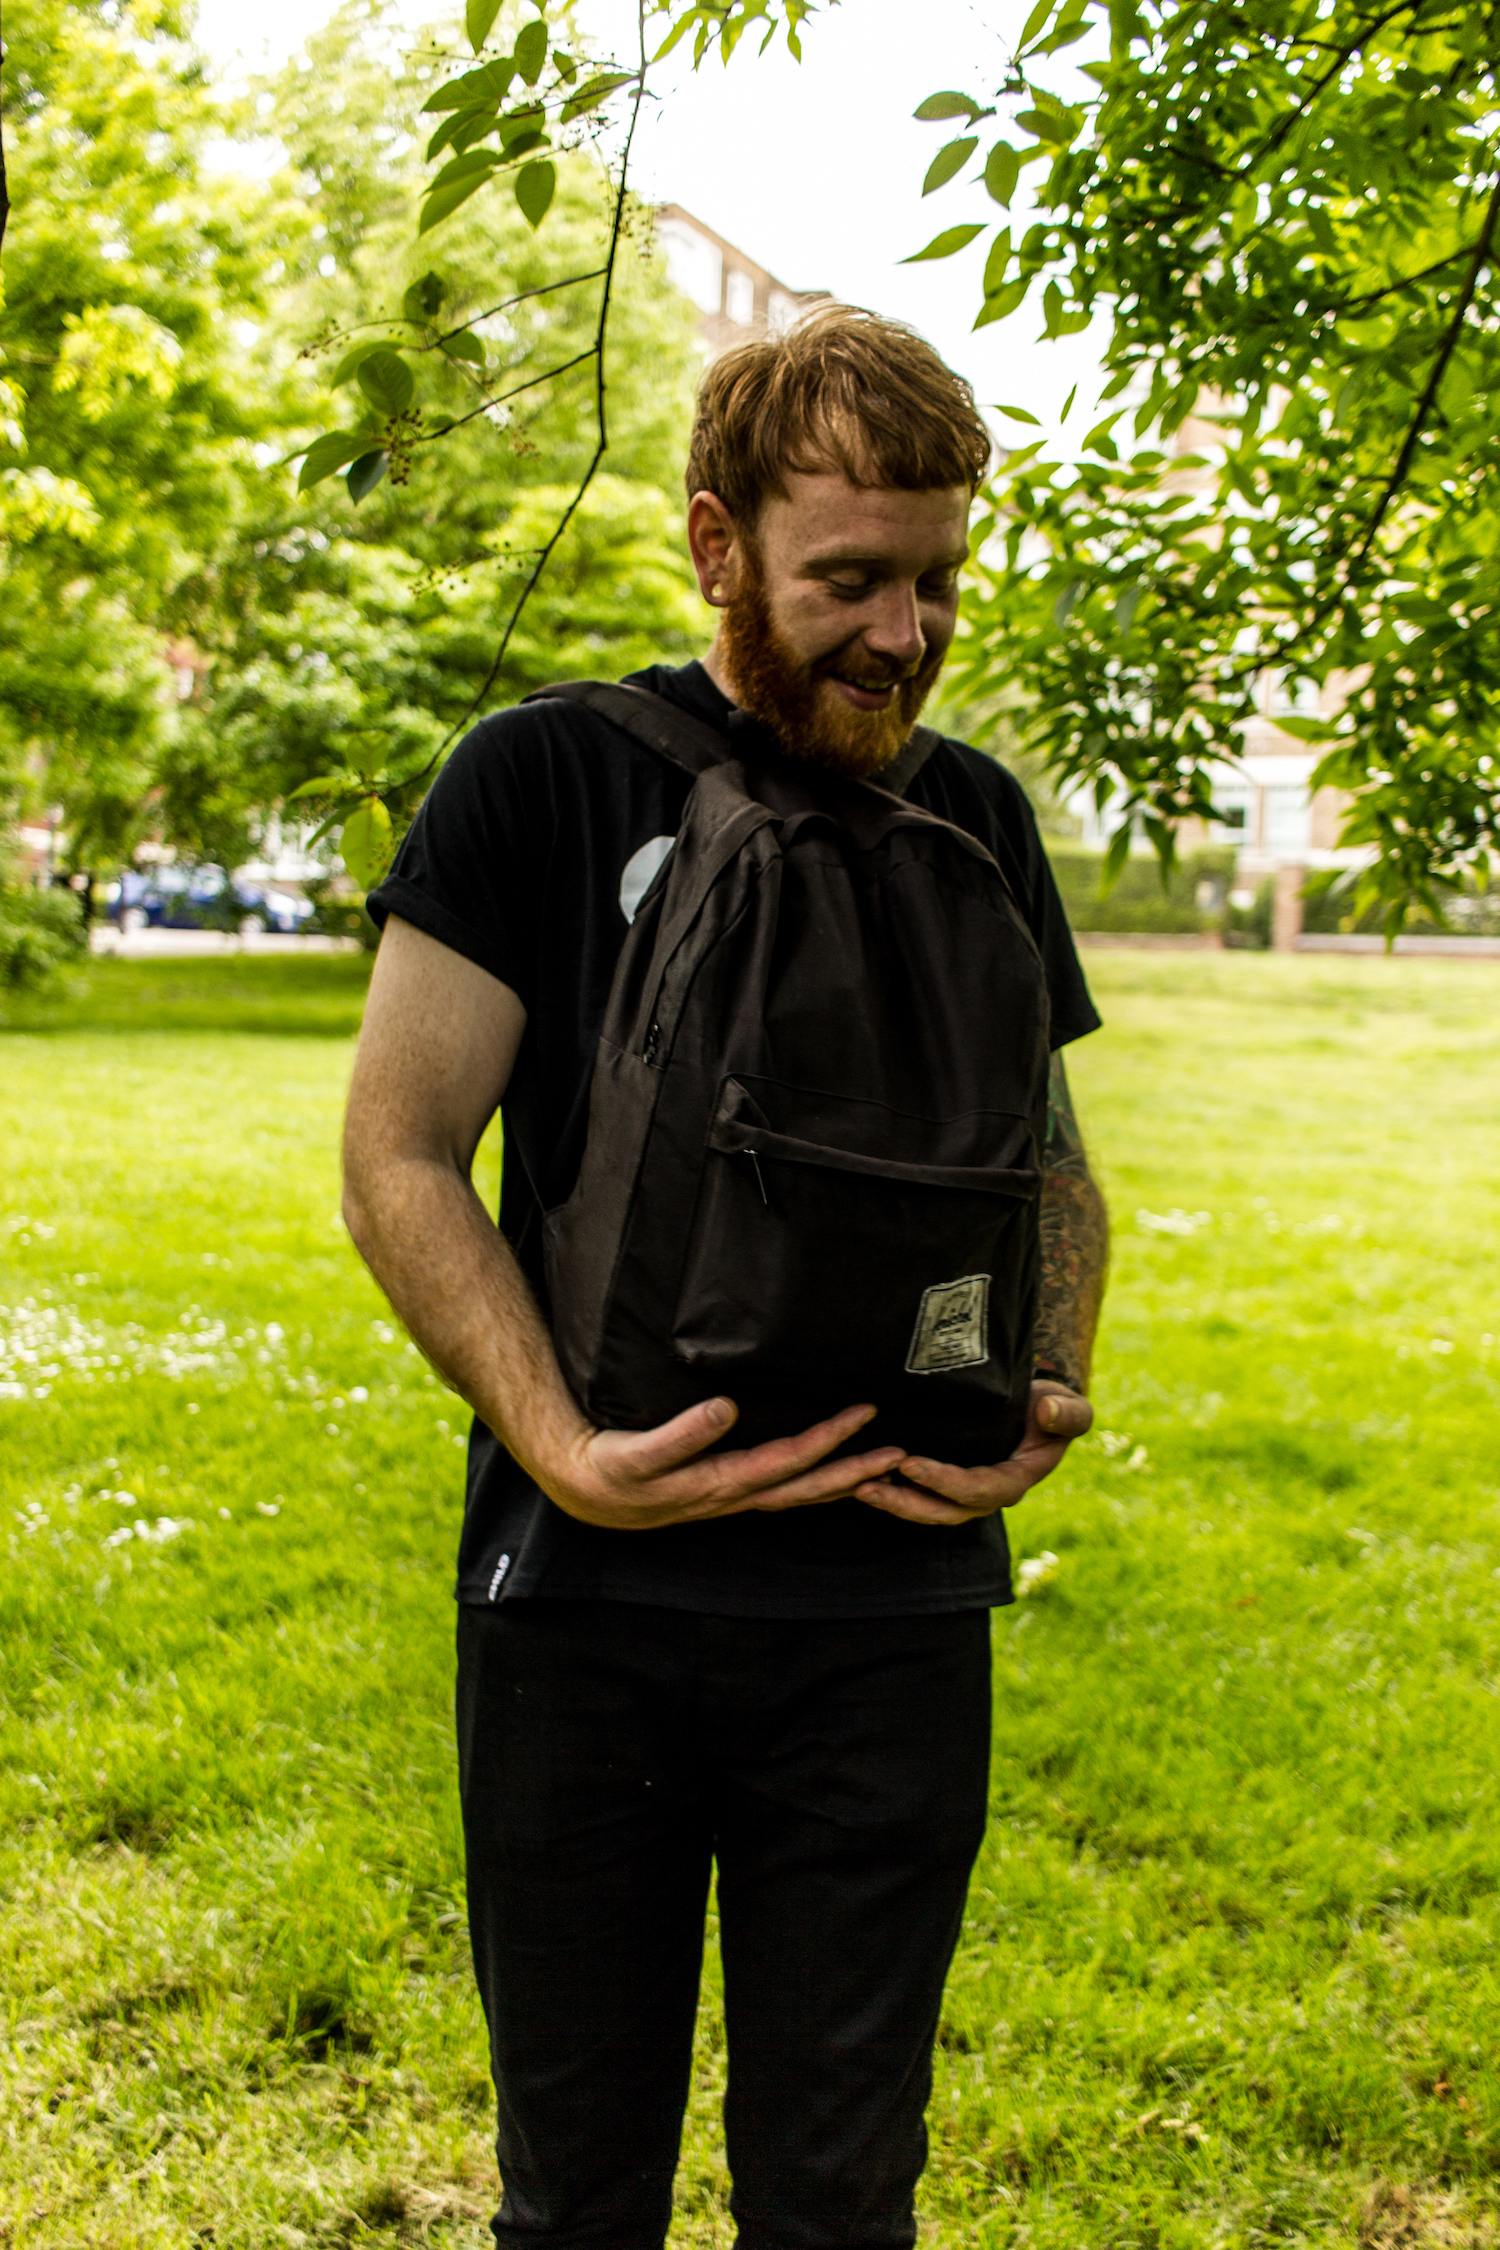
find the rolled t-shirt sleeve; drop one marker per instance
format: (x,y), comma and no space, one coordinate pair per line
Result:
(467,871)
(1073,1010)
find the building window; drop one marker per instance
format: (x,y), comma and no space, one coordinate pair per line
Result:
(739,297)
(693,263)
(1232,804)
(781,312)
(1288,817)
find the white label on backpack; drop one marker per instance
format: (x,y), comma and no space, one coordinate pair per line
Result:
(951,1323)
(640,871)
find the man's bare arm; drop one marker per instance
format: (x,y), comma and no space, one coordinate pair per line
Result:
(439,1040)
(1075,1244)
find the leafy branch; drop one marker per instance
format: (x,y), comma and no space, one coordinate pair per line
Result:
(472,107)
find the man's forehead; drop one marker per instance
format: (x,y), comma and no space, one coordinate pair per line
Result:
(826,518)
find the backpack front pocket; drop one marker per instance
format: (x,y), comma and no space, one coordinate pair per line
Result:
(843,1250)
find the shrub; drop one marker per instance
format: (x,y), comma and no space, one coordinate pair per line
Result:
(39,931)
(1193,899)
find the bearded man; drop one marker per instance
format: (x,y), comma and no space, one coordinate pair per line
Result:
(676,1654)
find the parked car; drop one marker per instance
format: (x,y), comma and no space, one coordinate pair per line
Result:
(205,898)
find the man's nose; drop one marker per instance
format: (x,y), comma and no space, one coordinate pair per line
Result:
(895,630)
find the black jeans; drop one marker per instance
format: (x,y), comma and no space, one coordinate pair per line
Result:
(837,1771)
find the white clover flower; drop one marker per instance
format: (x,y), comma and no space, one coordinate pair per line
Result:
(1034,1571)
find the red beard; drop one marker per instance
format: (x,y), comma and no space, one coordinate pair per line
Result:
(809,718)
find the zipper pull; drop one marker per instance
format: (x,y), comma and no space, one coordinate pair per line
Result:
(652,1047)
(760,1183)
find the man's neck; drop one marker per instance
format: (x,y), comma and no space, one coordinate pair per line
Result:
(718,670)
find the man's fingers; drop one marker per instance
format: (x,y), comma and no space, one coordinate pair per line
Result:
(833,1481)
(739,1476)
(915,1507)
(1063,1414)
(643,1455)
(650,1453)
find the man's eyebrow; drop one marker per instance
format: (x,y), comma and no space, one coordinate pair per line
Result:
(851,558)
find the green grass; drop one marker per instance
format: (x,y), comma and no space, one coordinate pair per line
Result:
(1228,1975)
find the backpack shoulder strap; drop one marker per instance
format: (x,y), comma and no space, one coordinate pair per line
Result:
(909,760)
(650,719)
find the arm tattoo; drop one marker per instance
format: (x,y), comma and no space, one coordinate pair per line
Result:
(1075,1243)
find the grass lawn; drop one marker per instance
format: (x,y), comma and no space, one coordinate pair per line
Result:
(1229,1972)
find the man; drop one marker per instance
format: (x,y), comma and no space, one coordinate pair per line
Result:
(772,1659)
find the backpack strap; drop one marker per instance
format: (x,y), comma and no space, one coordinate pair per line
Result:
(673,734)
(908,762)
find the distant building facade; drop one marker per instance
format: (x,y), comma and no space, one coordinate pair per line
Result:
(735,297)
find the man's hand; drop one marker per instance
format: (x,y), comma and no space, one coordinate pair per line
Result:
(637,1480)
(1054,1418)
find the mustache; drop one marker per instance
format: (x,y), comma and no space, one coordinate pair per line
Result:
(886,677)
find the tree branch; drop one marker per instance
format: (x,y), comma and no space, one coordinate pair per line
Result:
(4,188)
(596,353)
(500,397)
(1446,350)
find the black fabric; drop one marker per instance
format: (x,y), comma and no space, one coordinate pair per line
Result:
(805,1182)
(516,861)
(838,1774)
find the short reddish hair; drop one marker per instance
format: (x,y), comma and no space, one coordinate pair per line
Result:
(843,389)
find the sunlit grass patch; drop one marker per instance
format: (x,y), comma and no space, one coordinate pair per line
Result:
(1228,1973)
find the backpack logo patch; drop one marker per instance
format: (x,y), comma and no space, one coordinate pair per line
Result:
(951,1326)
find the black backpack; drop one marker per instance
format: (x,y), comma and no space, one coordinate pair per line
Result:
(811,1175)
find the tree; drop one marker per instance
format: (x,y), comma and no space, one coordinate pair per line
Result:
(1286,210)
(364,620)
(1287,213)
(128,414)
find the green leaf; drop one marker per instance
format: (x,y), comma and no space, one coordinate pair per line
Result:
(1115,858)
(997,263)
(948,160)
(522,128)
(938,106)
(1068,407)
(1002,168)
(486,85)
(461,130)
(1034,22)
(479,21)
(1062,608)
(1124,610)
(534,187)
(1000,308)
(329,453)
(341,784)
(473,164)
(365,474)
(943,245)
(593,91)
(465,346)
(424,298)
(387,382)
(1307,730)
(531,49)
(352,361)
(441,202)
(366,843)
(1019,414)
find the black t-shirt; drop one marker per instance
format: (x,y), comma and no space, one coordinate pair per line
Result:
(529,857)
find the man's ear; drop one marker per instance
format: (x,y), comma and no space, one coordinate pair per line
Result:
(714,544)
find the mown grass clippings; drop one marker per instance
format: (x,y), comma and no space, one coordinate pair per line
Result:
(1228,1971)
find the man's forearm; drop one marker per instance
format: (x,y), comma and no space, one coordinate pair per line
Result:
(1075,1244)
(453,1279)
